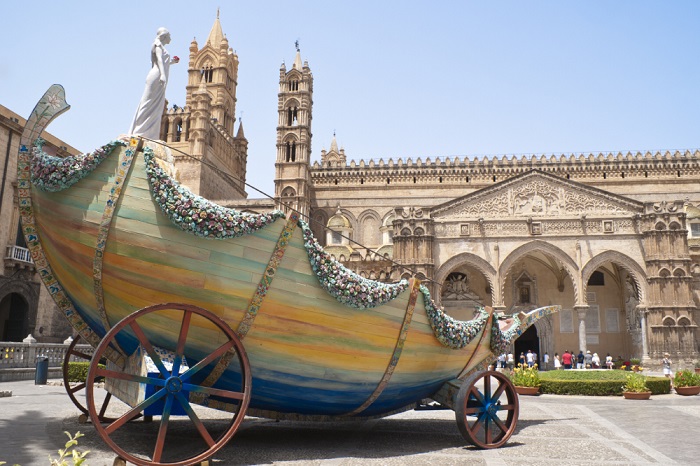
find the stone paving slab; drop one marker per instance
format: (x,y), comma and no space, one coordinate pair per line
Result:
(561,430)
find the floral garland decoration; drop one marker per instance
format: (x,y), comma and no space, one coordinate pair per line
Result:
(345,285)
(196,214)
(500,340)
(453,333)
(52,174)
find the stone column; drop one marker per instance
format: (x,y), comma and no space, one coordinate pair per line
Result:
(643,323)
(581,310)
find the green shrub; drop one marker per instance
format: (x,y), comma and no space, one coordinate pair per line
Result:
(78,371)
(659,385)
(595,383)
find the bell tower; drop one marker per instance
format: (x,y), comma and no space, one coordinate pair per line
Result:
(204,128)
(292,167)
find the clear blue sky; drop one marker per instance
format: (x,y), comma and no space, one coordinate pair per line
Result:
(392,78)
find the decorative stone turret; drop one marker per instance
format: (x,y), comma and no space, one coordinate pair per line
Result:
(670,321)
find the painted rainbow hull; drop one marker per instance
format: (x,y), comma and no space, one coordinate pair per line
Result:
(309,354)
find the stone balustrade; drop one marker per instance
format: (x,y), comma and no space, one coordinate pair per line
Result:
(15,355)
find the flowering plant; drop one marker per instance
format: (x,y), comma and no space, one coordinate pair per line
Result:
(524,376)
(635,383)
(685,378)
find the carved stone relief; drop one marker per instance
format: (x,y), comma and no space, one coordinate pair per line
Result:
(539,196)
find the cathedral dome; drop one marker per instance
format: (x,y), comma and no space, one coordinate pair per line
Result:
(339,221)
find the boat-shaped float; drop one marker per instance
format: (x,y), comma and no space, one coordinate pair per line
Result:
(194,304)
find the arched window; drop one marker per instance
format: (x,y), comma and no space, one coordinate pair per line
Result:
(178,130)
(207,73)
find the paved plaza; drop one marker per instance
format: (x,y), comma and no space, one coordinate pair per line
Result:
(571,430)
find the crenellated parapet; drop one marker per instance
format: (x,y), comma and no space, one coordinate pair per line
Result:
(486,170)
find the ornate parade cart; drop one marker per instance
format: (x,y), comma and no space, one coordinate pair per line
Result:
(195,306)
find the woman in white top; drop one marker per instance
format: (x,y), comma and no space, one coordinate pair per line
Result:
(557,361)
(596,361)
(608,361)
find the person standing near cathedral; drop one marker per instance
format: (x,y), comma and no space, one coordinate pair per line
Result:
(666,365)
(566,359)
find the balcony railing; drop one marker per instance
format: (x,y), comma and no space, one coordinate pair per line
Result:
(18,254)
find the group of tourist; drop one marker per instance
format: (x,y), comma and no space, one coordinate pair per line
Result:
(569,360)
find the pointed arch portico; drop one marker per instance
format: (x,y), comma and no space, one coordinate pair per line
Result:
(630,265)
(548,249)
(475,261)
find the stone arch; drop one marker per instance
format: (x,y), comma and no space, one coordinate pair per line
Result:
(660,226)
(684,321)
(369,220)
(318,225)
(473,260)
(668,321)
(29,292)
(630,265)
(291,103)
(518,253)
(289,192)
(674,226)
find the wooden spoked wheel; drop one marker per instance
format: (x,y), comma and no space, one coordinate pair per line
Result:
(74,390)
(486,409)
(169,441)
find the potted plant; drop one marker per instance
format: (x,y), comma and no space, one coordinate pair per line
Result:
(635,365)
(697,366)
(526,380)
(686,383)
(635,388)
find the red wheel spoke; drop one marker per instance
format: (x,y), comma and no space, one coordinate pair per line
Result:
(78,387)
(133,412)
(213,391)
(488,431)
(506,407)
(81,355)
(195,420)
(130,377)
(180,350)
(480,409)
(479,397)
(104,405)
(165,418)
(476,426)
(500,424)
(201,364)
(149,348)
(499,391)
(487,387)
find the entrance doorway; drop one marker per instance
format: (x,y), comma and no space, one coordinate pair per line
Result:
(528,341)
(14,318)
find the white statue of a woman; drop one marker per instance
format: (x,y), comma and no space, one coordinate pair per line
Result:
(147,119)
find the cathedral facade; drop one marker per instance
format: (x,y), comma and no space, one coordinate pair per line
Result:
(612,238)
